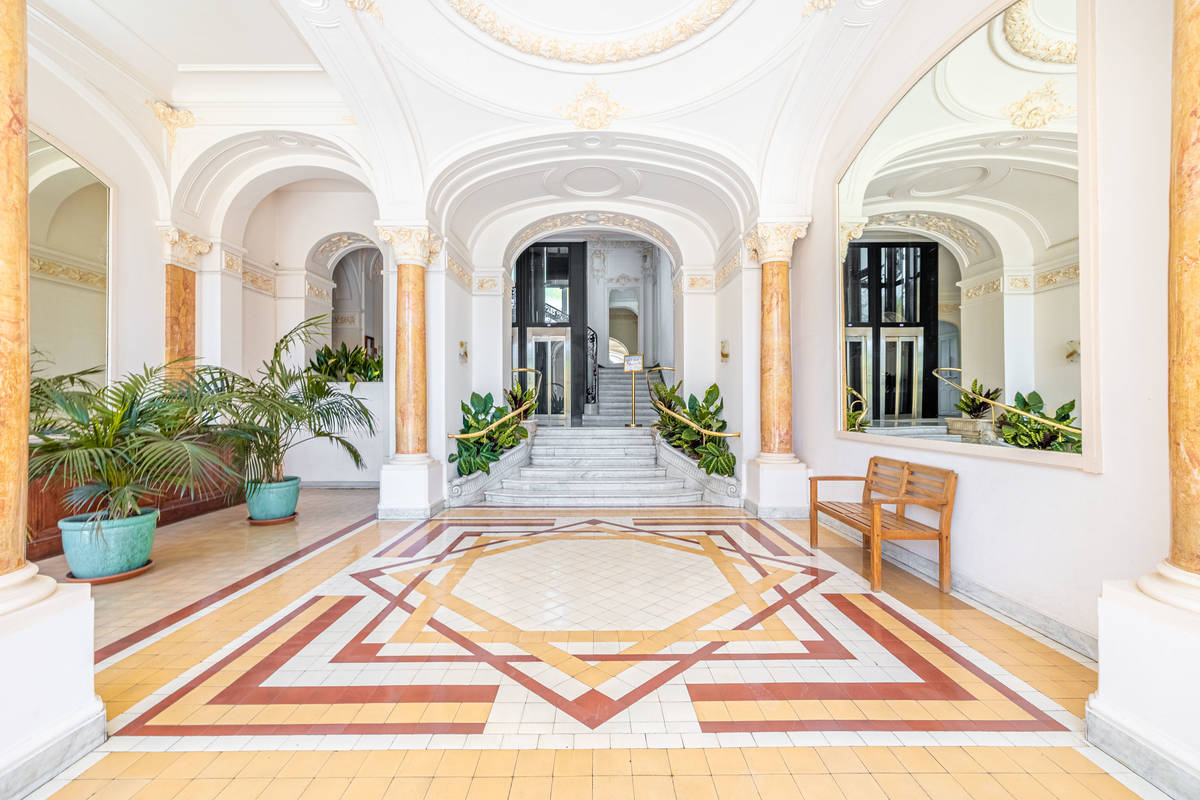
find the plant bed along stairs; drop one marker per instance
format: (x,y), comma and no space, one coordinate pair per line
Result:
(593,467)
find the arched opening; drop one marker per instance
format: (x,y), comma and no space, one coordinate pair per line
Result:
(357,317)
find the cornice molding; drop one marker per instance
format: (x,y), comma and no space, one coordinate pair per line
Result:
(1024,37)
(66,273)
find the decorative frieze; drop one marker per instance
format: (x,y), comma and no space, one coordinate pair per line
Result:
(184,248)
(699,282)
(730,268)
(1057,277)
(1038,108)
(458,271)
(345,320)
(625,279)
(258,282)
(949,308)
(931,223)
(592,219)
(487,284)
(231,262)
(982,290)
(67,273)
(317,292)
(1024,36)
(592,109)
(773,241)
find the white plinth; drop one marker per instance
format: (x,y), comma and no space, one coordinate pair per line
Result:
(777,487)
(1145,711)
(411,487)
(51,715)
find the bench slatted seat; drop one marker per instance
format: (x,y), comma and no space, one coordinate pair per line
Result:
(890,482)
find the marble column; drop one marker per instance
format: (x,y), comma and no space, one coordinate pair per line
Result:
(1143,712)
(411,484)
(51,715)
(776,477)
(14,290)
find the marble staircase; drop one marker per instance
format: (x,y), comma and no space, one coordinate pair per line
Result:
(614,406)
(593,467)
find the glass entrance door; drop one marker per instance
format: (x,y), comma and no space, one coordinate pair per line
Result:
(903,353)
(548,350)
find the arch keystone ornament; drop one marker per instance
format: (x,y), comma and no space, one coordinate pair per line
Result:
(592,109)
(410,484)
(773,477)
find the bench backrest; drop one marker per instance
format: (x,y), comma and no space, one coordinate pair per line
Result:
(887,477)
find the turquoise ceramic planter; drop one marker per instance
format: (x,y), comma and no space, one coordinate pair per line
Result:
(273,500)
(109,546)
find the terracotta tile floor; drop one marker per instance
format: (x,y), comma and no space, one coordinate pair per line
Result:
(685,653)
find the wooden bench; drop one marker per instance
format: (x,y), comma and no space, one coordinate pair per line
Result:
(893,483)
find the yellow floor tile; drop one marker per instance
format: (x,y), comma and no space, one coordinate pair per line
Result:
(614,787)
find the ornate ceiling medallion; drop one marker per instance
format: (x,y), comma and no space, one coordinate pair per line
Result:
(1038,108)
(591,52)
(1024,37)
(592,109)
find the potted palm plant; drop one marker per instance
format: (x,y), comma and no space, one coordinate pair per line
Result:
(119,447)
(287,405)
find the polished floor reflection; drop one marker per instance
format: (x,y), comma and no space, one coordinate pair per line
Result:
(489,653)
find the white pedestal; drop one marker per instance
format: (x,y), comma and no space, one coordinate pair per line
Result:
(1144,713)
(51,715)
(777,487)
(411,487)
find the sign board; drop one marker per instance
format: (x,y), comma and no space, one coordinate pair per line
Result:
(633,363)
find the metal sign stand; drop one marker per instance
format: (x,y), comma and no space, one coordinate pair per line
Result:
(633,365)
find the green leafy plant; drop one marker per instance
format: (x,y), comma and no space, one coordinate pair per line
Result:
(712,452)
(346,364)
(970,404)
(479,453)
(47,392)
(1023,431)
(130,442)
(288,405)
(517,396)
(857,420)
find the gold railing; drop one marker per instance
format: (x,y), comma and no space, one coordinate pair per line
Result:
(663,409)
(537,392)
(994,404)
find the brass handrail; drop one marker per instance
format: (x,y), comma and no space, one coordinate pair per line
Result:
(681,418)
(536,394)
(995,405)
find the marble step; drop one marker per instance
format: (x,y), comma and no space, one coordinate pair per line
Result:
(575,433)
(593,487)
(600,451)
(596,462)
(617,422)
(509,498)
(594,473)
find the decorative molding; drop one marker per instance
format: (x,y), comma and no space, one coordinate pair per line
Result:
(340,241)
(849,231)
(975,292)
(592,109)
(348,320)
(487,284)
(258,281)
(415,245)
(316,292)
(599,266)
(591,219)
(1056,277)
(949,308)
(946,226)
(696,282)
(773,241)
(67,273)
(624,279)
(185,248)
(458,270)
(1020,283)
(172,119)
(729,268)
(1024,37)
(367,7)
(1038,108)
(231,262)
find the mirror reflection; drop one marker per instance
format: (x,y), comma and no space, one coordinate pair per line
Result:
(622,324)
(68,261)
(959,246)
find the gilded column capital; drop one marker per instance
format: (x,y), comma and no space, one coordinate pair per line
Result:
(772,241)
(183,248)
(411,245)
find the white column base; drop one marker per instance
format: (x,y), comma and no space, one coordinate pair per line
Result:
(777,487)
(52,715)
(1144,712)
(411,487)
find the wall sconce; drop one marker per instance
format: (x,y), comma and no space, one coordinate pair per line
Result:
(724,351)
(462,352)
(1072,350)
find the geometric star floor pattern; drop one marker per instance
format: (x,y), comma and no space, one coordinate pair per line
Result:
(499,630)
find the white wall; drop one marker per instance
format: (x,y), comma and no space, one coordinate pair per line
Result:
(1041,536)
(729,327)
(453,322)
(982,341)
(258,329)
(1056,314)
(66,324)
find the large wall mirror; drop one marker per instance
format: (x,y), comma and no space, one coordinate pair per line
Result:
(68,261)
(959,247)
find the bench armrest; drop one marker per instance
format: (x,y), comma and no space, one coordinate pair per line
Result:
(906,501)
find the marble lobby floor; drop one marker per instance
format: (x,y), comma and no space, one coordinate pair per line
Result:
(551,653)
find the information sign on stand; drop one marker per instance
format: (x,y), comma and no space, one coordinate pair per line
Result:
(634,365)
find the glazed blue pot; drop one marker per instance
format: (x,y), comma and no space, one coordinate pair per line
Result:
(98,548)
(273,500)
